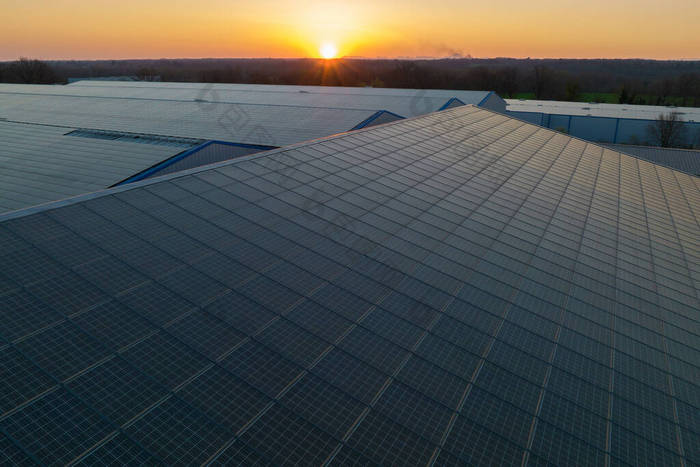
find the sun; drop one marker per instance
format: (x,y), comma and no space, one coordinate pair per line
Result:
(328,50)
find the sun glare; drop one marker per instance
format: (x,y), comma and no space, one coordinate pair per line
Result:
(328,50)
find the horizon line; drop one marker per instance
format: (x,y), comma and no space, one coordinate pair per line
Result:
(349,57)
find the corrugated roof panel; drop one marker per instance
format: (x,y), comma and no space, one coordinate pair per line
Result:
(462,288)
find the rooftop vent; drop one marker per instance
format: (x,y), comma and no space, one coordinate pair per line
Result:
(136,138)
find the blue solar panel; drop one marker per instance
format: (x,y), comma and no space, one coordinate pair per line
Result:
(459,288)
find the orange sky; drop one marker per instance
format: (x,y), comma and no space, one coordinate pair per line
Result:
(80,29)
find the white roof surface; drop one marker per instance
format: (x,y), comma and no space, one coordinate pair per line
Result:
(41,163)
(643,112)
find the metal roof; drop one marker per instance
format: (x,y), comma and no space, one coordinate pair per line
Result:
(40,163)
(643,112)
(272,125)
(404,102)
(686,160)
(458,288)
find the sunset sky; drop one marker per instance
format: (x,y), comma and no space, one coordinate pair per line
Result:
(111,29)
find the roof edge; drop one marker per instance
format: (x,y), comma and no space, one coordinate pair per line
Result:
(491,93)
(375,116)
(455,99)
(154,169)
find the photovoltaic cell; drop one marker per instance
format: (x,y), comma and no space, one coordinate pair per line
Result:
(22,380)
(117,389)
(178,433)
(120,450)
(459,288)
(56,428)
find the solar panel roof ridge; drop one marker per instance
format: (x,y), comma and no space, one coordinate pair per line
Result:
(149,181)
(191,101)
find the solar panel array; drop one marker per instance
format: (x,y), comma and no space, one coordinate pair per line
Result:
(459,288)
(40,163)
(272,125)
(685,160)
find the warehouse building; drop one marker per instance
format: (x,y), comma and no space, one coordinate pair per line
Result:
(61,141)
(459,288)
(606,123)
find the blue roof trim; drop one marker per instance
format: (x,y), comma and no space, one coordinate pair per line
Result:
(450,102)
(149,172)
(373,117)
(485,99)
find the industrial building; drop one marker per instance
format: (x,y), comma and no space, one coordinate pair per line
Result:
(61,141)
(457,288)
(606,123)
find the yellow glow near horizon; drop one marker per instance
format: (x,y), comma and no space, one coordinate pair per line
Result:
(80,29)
(328,50)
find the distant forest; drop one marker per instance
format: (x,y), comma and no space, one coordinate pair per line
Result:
(616,81)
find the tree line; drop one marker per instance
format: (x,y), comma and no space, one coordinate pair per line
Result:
(627,81)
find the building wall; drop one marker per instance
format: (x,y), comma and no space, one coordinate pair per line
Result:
(603,129)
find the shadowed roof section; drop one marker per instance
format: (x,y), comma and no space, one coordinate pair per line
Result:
(448,289)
